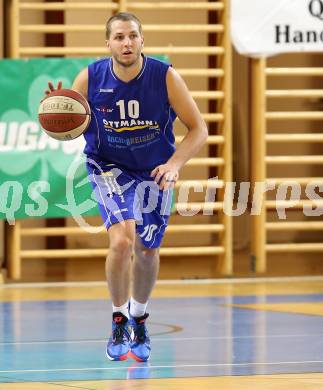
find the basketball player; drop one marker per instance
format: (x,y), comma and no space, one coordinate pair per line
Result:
(133,167)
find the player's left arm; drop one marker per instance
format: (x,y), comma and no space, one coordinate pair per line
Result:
(189,114)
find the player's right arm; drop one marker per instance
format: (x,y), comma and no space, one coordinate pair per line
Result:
(81,82)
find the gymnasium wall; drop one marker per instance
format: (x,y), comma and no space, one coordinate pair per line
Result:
(205,267)
(241,141)
(32,17)
(278,263)
(303,126)
(41,267)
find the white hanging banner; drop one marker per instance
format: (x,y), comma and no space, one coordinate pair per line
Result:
(267,27)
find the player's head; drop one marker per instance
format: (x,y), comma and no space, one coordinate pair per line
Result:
(124,38)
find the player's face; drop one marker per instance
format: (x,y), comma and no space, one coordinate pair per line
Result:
(125,42)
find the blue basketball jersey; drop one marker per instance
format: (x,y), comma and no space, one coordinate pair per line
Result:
(132,122)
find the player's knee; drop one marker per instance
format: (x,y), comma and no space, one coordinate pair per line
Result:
(144,253)
(123,246)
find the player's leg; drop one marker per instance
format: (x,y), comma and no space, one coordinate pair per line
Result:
(114,191)
(118,265)
(144,273)
(118,262)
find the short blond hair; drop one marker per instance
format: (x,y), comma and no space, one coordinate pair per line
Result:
(125,17)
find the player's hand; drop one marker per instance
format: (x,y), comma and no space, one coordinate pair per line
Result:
(51,87)
(166,176)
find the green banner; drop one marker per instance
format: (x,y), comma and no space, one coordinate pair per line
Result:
(39,176)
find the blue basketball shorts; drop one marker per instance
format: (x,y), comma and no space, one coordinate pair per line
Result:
(124,194)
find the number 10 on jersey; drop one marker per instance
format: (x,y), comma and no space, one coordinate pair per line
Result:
(132,109)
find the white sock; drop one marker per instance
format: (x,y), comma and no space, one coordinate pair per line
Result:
(122,309)
(137,309)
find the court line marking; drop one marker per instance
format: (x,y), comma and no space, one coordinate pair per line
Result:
(18,380)
(94,341)
(171,282)
(164,366)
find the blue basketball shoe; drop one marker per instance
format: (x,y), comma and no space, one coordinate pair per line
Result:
(118,343)
(140,344)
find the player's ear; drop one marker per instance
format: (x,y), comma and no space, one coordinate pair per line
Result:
(107,44)
(142,40)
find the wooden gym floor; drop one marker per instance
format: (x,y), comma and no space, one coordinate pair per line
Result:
(225,334)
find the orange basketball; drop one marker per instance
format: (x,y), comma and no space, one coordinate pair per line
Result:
(64,114)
